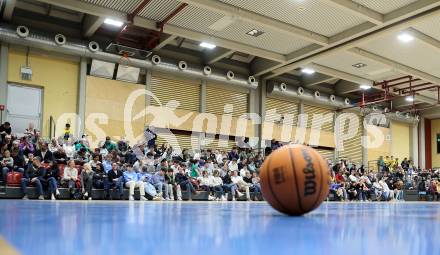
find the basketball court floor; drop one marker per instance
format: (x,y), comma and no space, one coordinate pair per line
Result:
(45,227)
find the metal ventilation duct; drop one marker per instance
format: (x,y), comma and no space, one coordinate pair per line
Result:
(81,49)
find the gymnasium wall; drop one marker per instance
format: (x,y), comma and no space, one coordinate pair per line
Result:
(435,129)
(400,140)
(57,76)
(383,149)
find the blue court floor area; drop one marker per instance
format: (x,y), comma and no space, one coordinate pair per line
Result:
(101,227)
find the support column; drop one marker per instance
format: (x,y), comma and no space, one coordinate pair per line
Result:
(82,97)
(421,162)
(148,86)
(4,51)
(364,148)
(203,96)
(414,143)
(262,99)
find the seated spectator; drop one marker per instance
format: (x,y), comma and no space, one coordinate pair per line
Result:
(115,179)
(95,162)
(19,160)
(254,187)
(53,146)
(69,149)
(7,164)
(149,188)
(241,184)
(133,181)
(398,190)
(183,180)
(109,145)
(6,144)
(233,166)
(34,174)
(87,181)
(44,153)
(387,194)
(204,181)
(60,156)
(217,186)
(51,180)
(158,181)
(99,177)
(26,146)
(69,178)
(228,185)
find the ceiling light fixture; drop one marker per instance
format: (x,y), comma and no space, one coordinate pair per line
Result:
(405,37)
(359,65)
(409,99)
(113,22)
(255,32)
(307,71)
(365,86)
(207,45)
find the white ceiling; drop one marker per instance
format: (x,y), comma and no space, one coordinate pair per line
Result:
(384,6)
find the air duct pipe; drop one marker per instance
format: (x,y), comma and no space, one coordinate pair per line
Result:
(81,49)
(280,90)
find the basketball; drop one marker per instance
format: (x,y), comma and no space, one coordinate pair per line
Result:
(294,179)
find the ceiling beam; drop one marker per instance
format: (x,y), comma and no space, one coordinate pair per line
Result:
(402,102)
(96,10)
(339,74)
(430,41)
(91,24)
(358,10)
(317,78)
(258,19)
(395,21)
(344,87)
(9,9)
(397,66)
(217,55)
(164,42)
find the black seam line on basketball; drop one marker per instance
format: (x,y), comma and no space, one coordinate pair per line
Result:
(320,186)
(271,190)
(296,181)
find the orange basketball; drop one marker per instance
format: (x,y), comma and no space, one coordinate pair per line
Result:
(294,179)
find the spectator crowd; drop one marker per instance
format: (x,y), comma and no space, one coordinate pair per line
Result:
(159,173)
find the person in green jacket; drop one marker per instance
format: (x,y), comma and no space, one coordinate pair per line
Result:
(109,145)
(194,169)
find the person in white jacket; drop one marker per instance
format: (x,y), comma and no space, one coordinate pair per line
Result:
(205,183)
(242,185)
(217,187)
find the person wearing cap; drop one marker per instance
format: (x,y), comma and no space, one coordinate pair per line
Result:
(35,175)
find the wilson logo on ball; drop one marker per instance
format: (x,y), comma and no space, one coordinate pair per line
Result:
(309,173)
(278,174)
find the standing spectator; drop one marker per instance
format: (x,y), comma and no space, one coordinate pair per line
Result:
(87,181)
(51,177)
(70,177)
(34,174)
(66,133)
(233,154)
(115,179)
(133,181)
(5,129)
(172,185)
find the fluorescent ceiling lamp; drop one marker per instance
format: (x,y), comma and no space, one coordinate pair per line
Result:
(113,22)
(405,37)
(307,71)
(409,99)
(365,86)
(207,45)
